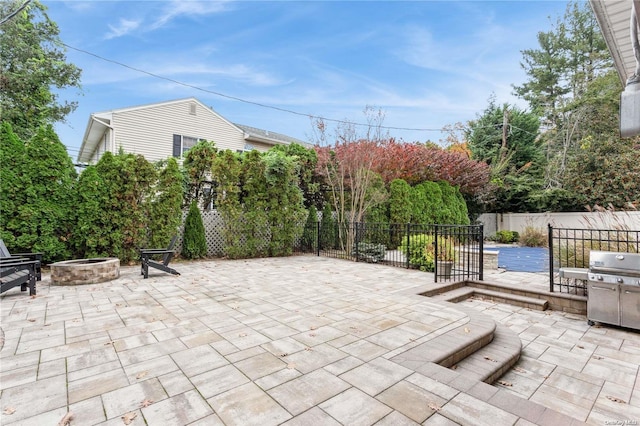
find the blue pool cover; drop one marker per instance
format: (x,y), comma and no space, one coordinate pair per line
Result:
(523,259)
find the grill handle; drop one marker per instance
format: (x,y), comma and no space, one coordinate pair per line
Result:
(603,288)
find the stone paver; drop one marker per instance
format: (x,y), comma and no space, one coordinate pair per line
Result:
(298,341)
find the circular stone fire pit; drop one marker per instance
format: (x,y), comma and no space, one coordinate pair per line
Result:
(85,271)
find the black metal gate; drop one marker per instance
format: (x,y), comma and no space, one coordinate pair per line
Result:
(451,252)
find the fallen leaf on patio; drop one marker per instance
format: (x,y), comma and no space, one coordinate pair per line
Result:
(614,399)
(466,330)
(545,377)
(31,320)
(308,349)
(66,420)
(597,357)
(283,355)
(490,359)
(520,370)
(503,383)
(146,403)
(313,327)
(412,339)
(9,411)
(291,366)
(128,418)
(141,374)
(109,343)
(434,406)
(580,346)
(242,335)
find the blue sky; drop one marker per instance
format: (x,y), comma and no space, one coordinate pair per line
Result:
(427,64)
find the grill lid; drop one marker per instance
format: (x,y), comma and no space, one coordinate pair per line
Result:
(615,263)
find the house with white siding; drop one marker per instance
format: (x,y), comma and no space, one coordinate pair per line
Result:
(168,129)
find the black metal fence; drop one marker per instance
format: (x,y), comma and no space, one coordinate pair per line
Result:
(451,252)
(569,254)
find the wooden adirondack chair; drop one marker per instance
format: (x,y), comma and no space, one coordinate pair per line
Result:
(167,254)
(35,257)
(18,272)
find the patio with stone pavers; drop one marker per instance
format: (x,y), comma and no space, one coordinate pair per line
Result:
(299,340)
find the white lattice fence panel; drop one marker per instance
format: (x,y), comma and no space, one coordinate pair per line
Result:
(213,226)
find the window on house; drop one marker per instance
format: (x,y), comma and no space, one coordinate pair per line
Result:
(247,147)
(182,144)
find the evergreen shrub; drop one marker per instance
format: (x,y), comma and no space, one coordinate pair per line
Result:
(370,252)
(194,242)
(421,251)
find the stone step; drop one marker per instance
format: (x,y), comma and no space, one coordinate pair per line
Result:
(512,299)
(451,347)
(489,363)
(457,294)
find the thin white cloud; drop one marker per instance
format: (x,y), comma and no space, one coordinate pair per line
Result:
(124,27)
(172,10)
(177,8)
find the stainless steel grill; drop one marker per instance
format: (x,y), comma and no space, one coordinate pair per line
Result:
(614,288)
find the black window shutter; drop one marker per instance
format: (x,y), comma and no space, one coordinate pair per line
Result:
(177,146)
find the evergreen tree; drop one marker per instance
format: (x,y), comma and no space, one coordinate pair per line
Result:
(165,213)
(400,207)
(45,214)
(194,242)
(128,180)
(285,211)
(255,222)
(91,234)
(226,171)
(572,60)
(13,183)
(33,69)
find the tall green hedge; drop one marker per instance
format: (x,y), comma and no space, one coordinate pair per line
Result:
(165,212)
(255,205)
(124,204)
(286,212)
(226,171)
(38,182)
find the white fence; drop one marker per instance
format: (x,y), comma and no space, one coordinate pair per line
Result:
(213,226)
(493,222)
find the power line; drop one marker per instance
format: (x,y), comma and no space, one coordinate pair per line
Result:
(235,98)
(14,13)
